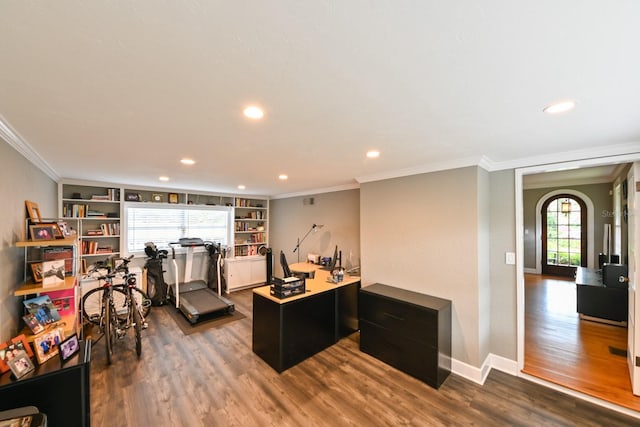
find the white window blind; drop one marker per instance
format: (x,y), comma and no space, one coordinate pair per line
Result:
(164,224)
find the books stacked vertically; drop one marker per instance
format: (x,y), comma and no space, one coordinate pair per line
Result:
(287,287)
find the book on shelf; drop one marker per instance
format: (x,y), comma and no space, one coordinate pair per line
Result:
(95,233)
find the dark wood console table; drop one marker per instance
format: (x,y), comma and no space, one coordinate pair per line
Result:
(287,331)
(60,392)
(408,330)
(595,301)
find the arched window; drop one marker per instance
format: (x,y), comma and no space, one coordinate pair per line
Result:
(564,235)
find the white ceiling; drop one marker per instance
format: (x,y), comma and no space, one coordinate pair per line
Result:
(120,91)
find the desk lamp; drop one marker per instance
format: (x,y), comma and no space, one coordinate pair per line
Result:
(314,228)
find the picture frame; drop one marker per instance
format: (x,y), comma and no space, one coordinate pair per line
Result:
(33,210)
(21,365)
(173,198)
(33,323)
(9,349)
(53,273)
(36,270)
(69,347)
(64,228)
(46,345)
(132,197)
(42,232)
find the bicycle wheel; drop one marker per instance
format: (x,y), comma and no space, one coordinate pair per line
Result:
(93,301)
(109,328)
(143,301)
(137,321)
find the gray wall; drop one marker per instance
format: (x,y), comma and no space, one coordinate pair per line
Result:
(291,218)
(422,233)
(21,181)
(503,276)
(599,195)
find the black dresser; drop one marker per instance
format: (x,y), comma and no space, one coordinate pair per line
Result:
(408,330)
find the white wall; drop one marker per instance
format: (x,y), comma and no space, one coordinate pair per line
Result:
(21,181)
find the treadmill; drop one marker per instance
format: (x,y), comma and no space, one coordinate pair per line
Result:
(194,298)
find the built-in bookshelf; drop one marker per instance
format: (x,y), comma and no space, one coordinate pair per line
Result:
(250,226)
(97,210)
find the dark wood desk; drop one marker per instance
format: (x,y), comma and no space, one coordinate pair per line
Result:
(596,301)
(60,392)
(287,331)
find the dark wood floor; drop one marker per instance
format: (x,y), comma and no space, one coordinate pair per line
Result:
(213,378)
(579,354)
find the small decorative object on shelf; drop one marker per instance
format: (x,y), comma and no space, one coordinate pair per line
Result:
(33,211)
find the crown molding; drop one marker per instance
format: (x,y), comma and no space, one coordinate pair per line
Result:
(482,161)
(21,146)
(569,156)
(317,191)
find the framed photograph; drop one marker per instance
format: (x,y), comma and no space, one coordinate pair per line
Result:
(10,349)
(69,347)
(44,310)
(64,228)
(33,210)
(47,344)
(52,273)
(21,364)
(32,322)
(36,270)
(173,197)
(42,232)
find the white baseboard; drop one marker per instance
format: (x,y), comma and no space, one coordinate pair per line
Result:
(479,375)
(530,270)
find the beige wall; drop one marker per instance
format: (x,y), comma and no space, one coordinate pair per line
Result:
(291,218)
(503,276)
(602,201)
(21,181)
(422,233)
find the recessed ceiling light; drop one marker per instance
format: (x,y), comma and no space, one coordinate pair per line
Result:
(163,178)
(372,154)
(283,177)
(241,187)
(253,112)
(187,161)
(560,107)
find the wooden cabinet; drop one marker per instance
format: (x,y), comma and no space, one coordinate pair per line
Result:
(408,330)
(61,392)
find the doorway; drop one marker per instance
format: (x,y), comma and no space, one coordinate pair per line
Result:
(521,230)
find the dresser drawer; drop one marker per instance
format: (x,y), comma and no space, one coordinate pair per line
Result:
(406,320)
(412,357)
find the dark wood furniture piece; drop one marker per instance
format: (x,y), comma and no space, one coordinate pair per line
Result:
(287,331)
(597,301)
(60,392)
(408,330)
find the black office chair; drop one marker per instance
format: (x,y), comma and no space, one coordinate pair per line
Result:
(285,266)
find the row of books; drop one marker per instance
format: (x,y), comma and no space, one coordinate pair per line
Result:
(243,226)
(113,195)
(254,215)
(90,247)
(106,229)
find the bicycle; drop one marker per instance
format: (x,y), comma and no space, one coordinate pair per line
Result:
(115,308)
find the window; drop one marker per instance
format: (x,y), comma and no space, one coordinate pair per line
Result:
(564,233)
(164,224)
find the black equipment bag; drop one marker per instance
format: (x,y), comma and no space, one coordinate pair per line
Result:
(215,258)
(156,286)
